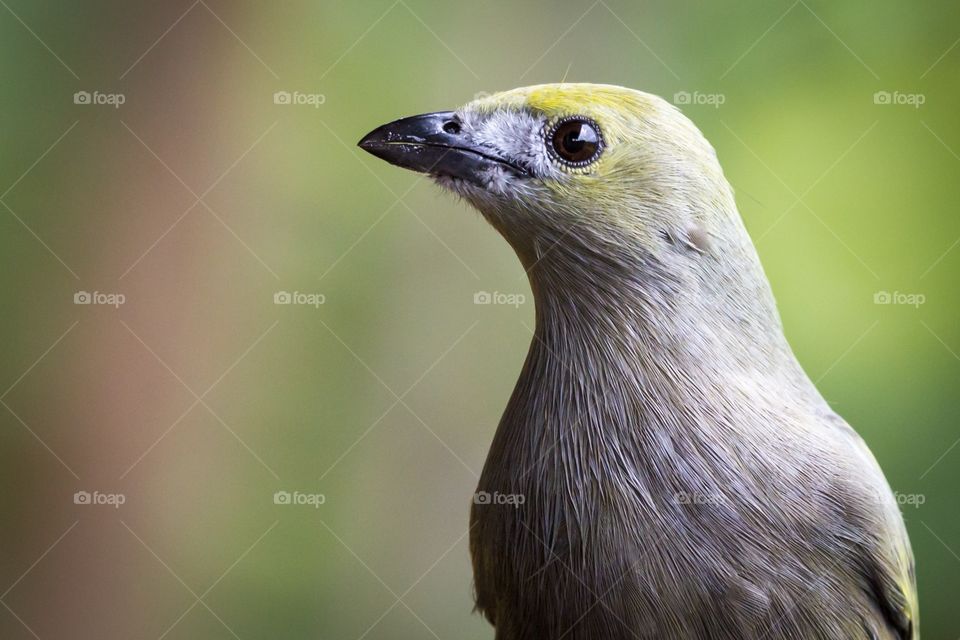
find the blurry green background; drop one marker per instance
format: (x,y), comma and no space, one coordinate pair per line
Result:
(199,398)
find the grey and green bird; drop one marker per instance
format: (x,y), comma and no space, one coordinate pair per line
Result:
(681,475)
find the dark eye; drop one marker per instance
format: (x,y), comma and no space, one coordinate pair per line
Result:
(576,141)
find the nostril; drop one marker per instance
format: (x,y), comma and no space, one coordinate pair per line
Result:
(451,127)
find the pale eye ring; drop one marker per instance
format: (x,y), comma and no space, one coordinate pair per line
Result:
(575,141)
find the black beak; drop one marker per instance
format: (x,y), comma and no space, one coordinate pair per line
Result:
(436,143)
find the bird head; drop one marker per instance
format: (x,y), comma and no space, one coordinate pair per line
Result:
(611,197)
(598,162)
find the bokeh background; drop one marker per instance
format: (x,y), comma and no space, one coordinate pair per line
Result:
(200,197)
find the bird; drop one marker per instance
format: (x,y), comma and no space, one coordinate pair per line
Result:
(675,472)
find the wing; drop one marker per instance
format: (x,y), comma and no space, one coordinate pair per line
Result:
(886,560)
